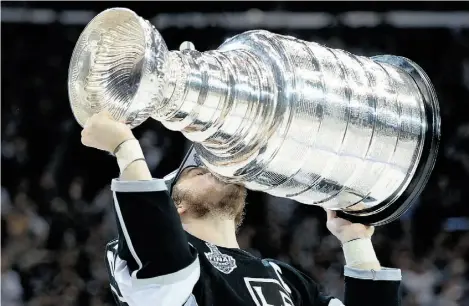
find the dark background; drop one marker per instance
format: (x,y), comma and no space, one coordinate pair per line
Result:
(55,199)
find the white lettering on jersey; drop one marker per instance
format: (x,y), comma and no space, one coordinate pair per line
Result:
(278,271)
(268,291)
(286,299)
(261,296)
(222,262)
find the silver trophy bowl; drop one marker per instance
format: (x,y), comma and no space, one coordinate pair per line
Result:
(279,115)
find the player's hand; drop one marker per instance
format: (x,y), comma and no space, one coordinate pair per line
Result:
(104,133)
(345,230)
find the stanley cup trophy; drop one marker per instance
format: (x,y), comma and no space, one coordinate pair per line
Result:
(287,117)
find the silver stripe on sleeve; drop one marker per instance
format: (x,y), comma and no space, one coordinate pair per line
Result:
(172,278)
(138,186)
(385,274)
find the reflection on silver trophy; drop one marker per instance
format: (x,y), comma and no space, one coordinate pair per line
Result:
(280,115)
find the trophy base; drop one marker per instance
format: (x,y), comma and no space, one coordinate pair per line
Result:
(396,205)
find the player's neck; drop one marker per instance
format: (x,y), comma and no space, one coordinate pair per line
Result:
(219,232)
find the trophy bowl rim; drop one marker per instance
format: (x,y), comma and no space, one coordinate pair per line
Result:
(80,113)
(397,204)
(77,100)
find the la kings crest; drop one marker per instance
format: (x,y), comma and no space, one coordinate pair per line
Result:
(222,262)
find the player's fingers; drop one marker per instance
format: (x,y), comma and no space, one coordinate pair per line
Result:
(89,122)
(85,131)
(330,214)
(359,206)
(105,113)
(86,139)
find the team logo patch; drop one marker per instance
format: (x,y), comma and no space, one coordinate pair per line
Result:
(222,262)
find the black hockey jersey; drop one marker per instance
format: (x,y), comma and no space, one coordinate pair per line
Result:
(155,262)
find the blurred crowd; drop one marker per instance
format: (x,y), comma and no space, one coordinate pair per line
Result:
(56,205)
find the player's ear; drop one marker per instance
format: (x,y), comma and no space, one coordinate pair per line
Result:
(181,209)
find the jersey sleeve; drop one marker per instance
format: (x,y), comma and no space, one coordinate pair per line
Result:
(365,287)
(362,288)
(151,261)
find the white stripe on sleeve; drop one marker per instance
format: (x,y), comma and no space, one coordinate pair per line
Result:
(126,235)
(170,292)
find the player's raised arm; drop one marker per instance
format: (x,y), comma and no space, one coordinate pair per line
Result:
(366,282)
(151,262)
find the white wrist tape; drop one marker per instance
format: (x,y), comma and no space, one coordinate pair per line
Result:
(128,152)
(359,251)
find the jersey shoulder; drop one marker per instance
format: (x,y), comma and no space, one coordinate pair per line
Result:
(290,272)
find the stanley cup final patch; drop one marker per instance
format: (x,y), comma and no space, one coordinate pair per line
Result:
(222,262)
